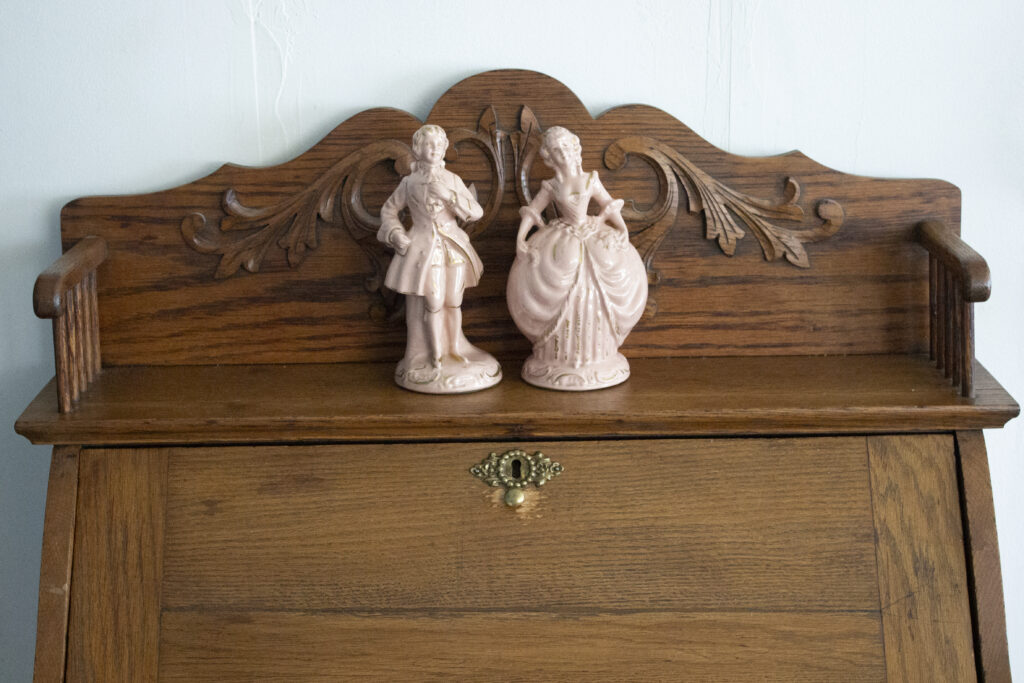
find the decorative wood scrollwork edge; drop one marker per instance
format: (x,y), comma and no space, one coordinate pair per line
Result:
(245,235)
(724,208)
(721,205)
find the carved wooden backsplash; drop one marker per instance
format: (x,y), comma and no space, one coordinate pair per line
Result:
(332,306)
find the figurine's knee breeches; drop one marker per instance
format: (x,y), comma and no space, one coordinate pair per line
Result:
(434,297)
(455,285)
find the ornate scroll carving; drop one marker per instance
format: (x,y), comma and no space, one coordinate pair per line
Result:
(724,208)
(525,145)
(245,235)
(489,138)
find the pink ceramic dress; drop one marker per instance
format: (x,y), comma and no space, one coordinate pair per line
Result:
(577,292)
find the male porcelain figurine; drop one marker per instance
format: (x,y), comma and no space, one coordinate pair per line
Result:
(433,264)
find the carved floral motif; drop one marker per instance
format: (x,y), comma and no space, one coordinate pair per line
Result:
(724,208)
(721,204)
(245,235)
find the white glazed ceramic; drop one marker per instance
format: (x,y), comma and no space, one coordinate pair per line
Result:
(433,265)
(577,286)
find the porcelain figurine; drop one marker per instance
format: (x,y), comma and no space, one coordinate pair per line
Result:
(577,286)
(433,265)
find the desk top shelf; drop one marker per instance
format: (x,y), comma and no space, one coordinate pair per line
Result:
(665,397)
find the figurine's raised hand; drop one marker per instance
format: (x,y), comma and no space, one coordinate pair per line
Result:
(521,246)
(524,228)
(612,213)
(435,204)
(529,218)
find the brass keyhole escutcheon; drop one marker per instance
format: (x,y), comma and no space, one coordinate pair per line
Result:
(515,469)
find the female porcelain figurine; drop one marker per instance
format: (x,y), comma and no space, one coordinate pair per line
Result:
(577,286)
(433,264)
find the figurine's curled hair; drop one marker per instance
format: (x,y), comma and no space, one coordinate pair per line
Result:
(421,134)
(551,136)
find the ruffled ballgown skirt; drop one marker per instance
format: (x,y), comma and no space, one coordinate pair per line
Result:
(575,294)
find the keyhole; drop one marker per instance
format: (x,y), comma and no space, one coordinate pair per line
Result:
(517,469)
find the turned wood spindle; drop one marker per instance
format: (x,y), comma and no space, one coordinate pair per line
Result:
(70,315)
(947,343)
(940,316)
(82,291)
(94,323)
(81,343)
(933,327)
(956,330)
(61,363)
(967,383)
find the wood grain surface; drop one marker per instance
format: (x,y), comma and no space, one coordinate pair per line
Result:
(968,267)
(866,290)
(774,524)
(664,646)
(828,558)
(983,569)
(50,295)
(55,566)
(663,397)
(115,601)
(922,581)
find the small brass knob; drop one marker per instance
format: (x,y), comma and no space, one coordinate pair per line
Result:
(514,497)
(515,469)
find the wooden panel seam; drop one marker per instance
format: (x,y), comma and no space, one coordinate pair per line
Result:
(874,533)
(981,550)
(56,568)
(159,569)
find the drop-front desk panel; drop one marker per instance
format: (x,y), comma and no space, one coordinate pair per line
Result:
(720,559)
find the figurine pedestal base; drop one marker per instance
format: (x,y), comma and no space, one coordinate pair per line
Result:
(452,376)
(567,377)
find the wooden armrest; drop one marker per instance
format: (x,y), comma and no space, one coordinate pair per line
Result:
(967,265)
(66,292)
(957,278)
(65,273)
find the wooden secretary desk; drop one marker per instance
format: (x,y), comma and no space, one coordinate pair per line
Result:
(792,485)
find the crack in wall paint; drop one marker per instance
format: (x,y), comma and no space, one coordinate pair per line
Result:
(278,24)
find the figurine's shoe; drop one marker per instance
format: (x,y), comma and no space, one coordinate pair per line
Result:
(567,377)
(472,371)
(472,354)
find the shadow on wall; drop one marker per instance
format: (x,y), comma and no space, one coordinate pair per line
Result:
(25,367)
(23,475)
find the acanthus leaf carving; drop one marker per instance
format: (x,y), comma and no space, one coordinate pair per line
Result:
(245,234)
(525,145)
(489,138)
(724,208)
